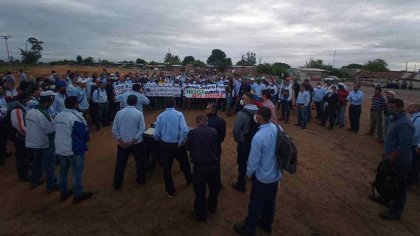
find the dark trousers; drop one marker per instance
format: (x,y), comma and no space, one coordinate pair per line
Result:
(243,150)
(22,154)
(319,109)
(330,115)
(169,151)
(44,160)
(4,133)
(100,114)
(261,204)
(413,174)
(204,176)
(115,109)
(354,116)
(122,157)
(398,203)
(285,109)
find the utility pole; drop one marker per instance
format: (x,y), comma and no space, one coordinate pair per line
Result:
(334,59)
(406,65)
(415,65)
(7,46)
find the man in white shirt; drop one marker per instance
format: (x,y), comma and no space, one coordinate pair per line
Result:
(40,138)
(100,101)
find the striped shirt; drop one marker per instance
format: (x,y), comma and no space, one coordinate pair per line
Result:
(270,105)
(378,103)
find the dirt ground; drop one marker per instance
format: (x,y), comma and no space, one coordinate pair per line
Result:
(328,195)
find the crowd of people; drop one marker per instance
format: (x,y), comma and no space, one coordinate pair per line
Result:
(48,121)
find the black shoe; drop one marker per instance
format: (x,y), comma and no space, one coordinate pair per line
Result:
(350,129)
(238,187)
(239,229)
(388,216)
(303,127)
(25,179)
(212,211)
(7,154)
(264,227)
(189,182)
(64,197)
(84,196)
(170,194)
(52,189)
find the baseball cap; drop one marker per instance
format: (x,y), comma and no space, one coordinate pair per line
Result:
(81,80)
(48,93)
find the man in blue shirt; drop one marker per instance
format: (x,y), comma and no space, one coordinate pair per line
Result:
(355,109)
(302,104)
(171,131)
(414,110)
(81,93)
(319,94)
(128,129)
(141,99)
(398,145)
(265,175)
(100,101)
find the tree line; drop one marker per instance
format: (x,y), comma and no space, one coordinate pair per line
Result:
(217,58)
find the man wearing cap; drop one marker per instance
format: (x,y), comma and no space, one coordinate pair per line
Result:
(82,96)
(100,99)
(171,132)
(356,100)
(71,137)
(128,129)
(319,95)
(17,117)
(40,138)
(141,99)
(58,105)
(303,102)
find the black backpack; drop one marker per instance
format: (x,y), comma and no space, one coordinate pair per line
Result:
(387,184)
(252,128)
(286,152)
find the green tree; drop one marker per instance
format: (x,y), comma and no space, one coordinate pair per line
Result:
(79,60)
(353,66)
(105,63)
(88,61)
(187,59)
(317,64)
(141,61)
(154,63)
(280,68)
(249,59)
(171,59)
(218,58)
(376,65)
(265,68)
(34,54)
(198,63)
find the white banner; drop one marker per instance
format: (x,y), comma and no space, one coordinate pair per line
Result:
(205,91)
(162,90)
(120,89)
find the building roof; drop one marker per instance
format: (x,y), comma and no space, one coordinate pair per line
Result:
(313,70)
(393,75)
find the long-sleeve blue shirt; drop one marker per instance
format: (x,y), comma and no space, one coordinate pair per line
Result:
(262,158)
(58,105)
(82,97)
(416,121)
(141,100)
(171,127)
(355,98)
(304,98)
(400,137)
(319,94)
(129,125)
(99,96)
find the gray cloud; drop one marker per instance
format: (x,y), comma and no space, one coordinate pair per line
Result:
(287,31)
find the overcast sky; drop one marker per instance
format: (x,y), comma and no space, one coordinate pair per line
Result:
(287,31)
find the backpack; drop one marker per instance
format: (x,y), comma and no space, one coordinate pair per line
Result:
(387,184)
(286,152)
(252,128)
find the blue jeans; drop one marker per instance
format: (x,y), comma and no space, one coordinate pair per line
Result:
(341,116)
(319,109)
(302,115)
(77,163)
(229,101)
(243,150)
(261,205)
(44,160)
(354,115)
(285,109)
